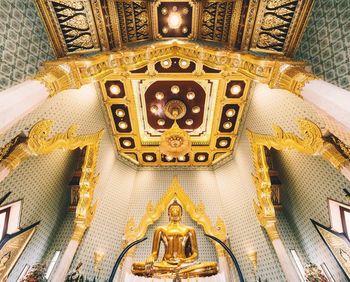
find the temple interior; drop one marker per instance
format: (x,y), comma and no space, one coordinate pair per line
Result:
(184,140)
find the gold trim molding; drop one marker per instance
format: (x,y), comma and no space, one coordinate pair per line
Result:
(39,142)
(133,231)
(311,143)
(74,71)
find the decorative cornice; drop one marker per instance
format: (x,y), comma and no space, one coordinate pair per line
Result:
(311,143)
(38,142)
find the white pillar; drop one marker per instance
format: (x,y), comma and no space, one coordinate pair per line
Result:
(20,100)
(225,269)
(330,99)
(66,261)
(124,270)
(285,261)
(4,171)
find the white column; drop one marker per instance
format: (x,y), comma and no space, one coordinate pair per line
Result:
(65,262)
(124,270)
(20,100)
(225,269)
(285,261)
(330,99)
(4,171)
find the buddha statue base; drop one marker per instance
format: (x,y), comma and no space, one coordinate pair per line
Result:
(165,270)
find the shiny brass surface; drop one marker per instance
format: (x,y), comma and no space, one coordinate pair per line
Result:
(180,251)
(311,143)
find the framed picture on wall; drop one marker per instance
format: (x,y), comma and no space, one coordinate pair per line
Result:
(11,248)
(338,245)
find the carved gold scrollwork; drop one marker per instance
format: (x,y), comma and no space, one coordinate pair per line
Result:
(311,142)
(197,212)
(39,142)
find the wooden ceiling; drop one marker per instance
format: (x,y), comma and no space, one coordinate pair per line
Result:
(89,26)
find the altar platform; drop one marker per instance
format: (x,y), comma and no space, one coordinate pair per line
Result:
(220,277)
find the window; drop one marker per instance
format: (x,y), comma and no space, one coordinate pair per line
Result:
(298,264)
(9,218)
(23,273)
(52,264)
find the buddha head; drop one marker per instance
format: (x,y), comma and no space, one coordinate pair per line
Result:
(175,212)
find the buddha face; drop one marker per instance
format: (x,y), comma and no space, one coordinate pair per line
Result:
(175,213)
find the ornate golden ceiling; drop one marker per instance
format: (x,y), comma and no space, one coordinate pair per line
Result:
(167,73)
(139,102)
(87,26)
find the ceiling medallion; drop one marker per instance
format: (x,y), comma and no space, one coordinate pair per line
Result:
(175,109)
(175,142)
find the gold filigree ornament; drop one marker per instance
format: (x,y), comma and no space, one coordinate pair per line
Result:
(175,142)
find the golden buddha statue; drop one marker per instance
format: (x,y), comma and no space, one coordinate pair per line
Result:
(181,252)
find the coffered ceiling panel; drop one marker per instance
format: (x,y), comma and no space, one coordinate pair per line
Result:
(88,26)
(208,105)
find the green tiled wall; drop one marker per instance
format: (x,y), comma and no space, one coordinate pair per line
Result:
(326,41)
(24,43)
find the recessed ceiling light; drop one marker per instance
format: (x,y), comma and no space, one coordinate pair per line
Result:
(184,29)
(166,63)
(159,95)
(196,109)
(223,143)
(154,109)
(227,125)
(164,11)
(189,121)
(184,64)
(190,95)
(165,30)
(230,112)
(168,158)
(181,158)
(174,20)
(175,89)
(127,143)
(235,89)
(161,122)
(185,11)
(149,158)
(123,125)
(120,113)
(115,89)
(201,158)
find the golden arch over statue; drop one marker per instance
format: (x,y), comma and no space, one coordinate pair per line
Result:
(153,213)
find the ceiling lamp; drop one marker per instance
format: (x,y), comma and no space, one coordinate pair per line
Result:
(190,95)
(230,112)
(174,20)
(120,113)
(161,122)
(235,89)
(154,109)
(175,142)
(159,95)
(196,109)
(175,89)
(115,89)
